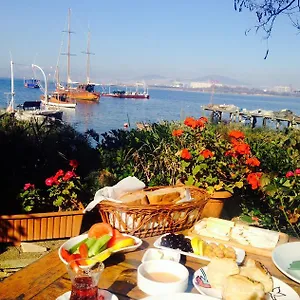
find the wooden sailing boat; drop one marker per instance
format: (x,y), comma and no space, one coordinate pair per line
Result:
(83,91)
(59,98)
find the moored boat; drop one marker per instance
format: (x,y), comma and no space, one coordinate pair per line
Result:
(32,83)
(75,90)
(85,91)
(59,99)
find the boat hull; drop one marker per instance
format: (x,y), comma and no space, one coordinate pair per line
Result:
(54,102)
(87,96)
(131,96)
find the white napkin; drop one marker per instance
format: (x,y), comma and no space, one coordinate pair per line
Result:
(113,193)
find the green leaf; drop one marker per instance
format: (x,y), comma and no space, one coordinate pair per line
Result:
(190,180)
(287,184)
(196,170)
(239,184)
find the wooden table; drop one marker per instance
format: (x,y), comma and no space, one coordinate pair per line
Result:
(47,278)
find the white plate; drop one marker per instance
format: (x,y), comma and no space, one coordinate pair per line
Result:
(73,241)
(180,296)
(283,255)
(106,294)
(240,253)
(157,254)
(280,291)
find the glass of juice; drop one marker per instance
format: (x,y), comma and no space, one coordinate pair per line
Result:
(85,275)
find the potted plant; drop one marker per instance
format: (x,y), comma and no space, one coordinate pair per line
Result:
(52,211)
(220,162)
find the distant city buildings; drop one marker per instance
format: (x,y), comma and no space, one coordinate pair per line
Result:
(282,89)
(204,84)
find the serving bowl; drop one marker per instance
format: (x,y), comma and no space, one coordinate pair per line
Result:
(75,240)
(162,277)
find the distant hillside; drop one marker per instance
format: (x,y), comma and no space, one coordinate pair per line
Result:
(150,77)
(220,79)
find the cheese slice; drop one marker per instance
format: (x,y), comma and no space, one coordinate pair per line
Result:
(207,233)
(219,226)
(261,238)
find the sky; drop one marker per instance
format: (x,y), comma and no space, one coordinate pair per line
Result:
(135,38)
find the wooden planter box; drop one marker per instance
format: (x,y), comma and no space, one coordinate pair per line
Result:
(40,226)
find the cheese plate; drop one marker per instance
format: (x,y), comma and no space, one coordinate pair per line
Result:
(240,253)
(249,238)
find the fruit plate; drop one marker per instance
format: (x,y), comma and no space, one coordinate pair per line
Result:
(240,253)
(73,241)
(280,289)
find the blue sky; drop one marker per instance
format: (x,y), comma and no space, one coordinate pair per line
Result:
(178,39)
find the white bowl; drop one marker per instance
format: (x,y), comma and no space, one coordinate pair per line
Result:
(283,255)
(75,240)
(157,254)
(154,288)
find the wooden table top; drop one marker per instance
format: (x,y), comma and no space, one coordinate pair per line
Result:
(47,277)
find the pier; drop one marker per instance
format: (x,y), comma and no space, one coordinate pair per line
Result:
(238,115)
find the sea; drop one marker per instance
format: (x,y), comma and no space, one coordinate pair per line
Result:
(164,104)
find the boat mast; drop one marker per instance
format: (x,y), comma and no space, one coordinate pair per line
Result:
(69,81)
(12,86)
(88,53)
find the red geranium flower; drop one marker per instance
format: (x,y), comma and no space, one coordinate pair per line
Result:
(59,173)
(177,132)
(73,163)
(253,162)
(185,154)
(191,122)
(206,153)
(253,180)
(236,134)
(68,175)
(297,172)
(49,181)
(289,174)
(29,186)
(242,148)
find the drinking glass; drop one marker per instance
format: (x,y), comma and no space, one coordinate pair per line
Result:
(85,275)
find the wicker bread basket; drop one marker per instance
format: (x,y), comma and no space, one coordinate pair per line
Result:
(150,220)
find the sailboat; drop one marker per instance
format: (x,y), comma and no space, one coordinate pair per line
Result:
(83,91)
(30,109)
(126,94)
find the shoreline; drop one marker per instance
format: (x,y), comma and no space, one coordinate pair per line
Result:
(223,93)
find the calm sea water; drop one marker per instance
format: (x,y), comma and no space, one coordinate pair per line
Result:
(112,113)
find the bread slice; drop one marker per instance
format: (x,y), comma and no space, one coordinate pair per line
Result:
(219,269)
(239,287)
(258,272)
(166,195)
(135,198)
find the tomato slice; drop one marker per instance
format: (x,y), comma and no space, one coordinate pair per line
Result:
(100,229)
(83,250)
(117,233)
(66,255)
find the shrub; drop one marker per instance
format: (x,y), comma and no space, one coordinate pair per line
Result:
(31,151)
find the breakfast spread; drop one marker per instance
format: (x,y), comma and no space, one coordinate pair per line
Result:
(229,231)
